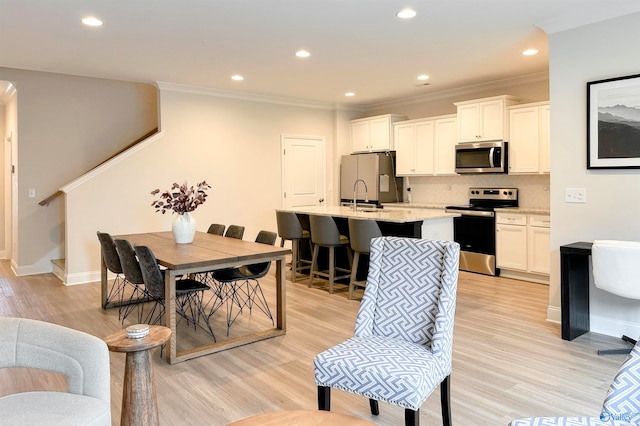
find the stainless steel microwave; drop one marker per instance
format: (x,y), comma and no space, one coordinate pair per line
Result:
(482,157)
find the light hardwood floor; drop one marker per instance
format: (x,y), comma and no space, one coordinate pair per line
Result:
(508,361)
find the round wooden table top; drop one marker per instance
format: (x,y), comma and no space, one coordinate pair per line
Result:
(302,418)
(119,342)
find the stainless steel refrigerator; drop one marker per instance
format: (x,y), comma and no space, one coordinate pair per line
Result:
(379,182)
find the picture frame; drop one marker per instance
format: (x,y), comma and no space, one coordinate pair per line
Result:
(613,123)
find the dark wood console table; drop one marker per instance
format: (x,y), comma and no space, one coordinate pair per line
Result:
(574,289)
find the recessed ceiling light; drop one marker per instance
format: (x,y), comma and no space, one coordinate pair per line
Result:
(92,21)
(406,14)
(350,94)
(237,77)
(302,54)
(530,52)
(423,77)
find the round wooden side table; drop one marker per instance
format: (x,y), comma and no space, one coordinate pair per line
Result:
(302,418)
(139,403)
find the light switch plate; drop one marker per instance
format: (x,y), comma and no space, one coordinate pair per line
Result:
(32,192)
(575,195)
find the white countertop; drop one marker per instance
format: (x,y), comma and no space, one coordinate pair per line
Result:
(391,215)
(523,210)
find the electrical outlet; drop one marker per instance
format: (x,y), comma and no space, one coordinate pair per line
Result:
(575,195)
(32,193)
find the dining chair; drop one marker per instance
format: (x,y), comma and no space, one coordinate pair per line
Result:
(235,231)
(249,293)
(621,405)
(216,229)
(290,228)
(133,274)
(325,234)
(81,357)
(399,356)
(112,262)
(361,232)
(189,292)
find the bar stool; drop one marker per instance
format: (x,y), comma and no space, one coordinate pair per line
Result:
(290,228)
(361,231)
(324,233)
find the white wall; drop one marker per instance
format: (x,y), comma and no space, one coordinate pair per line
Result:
(67,125)
(233,144)
(598,51)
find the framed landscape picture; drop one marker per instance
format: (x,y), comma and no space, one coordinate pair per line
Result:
(613,123)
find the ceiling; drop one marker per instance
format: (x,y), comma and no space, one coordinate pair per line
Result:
(355,45)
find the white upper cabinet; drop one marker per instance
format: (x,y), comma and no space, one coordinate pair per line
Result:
(446,131)
(529,138)
(425,146)
(374,133)
(484,119)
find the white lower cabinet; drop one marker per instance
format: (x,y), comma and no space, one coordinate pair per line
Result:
(522,242)
(511,241)
(538,244)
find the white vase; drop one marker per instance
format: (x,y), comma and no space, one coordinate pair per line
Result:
(184,228)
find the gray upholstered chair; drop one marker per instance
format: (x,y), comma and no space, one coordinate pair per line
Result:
(402,346)
(112,262)
(325,233)
(81,357)
(189,293)
(240,286)
(133,274)
(361,232)
(216,228)
(290,228)
(235,231)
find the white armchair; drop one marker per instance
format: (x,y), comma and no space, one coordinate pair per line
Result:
(81,357)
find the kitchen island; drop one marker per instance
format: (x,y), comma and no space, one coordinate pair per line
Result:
(401,222)
(418,223)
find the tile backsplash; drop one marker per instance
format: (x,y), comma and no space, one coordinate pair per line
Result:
(533,189)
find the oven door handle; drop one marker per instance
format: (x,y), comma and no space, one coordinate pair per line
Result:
(471,212)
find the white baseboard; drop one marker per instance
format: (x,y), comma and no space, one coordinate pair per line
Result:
(44,267)
(613,327)
(554,314)
(82,278)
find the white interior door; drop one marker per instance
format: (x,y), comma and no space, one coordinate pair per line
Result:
(303,171)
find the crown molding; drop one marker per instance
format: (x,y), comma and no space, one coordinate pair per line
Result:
(465,90)
(253,97)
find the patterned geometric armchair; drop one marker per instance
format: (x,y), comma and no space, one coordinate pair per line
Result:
(621,406)
(401,348)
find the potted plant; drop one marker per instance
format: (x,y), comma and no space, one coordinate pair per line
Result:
(182,199)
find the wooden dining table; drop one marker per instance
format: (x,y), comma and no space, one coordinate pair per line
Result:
(208,252)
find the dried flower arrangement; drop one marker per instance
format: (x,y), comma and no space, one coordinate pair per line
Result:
(181,198)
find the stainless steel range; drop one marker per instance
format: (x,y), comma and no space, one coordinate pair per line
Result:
(475,230)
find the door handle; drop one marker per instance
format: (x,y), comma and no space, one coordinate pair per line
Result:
(321,200)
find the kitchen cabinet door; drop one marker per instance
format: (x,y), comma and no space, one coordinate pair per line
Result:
(484,119)
(446,138)
(360,136)
(545,139)
(380,136)
(511,247)
(539,252)
(404,136)
(414,141)
(468,123)
(524,135)
(424,148)
(373,133)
